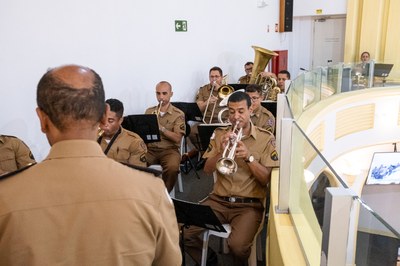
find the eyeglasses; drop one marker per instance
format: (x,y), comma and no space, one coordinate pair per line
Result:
(248,69)
(215,77)
(254,98)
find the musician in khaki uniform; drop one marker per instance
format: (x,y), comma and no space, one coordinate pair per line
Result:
(171,121)
(118,143)
(205,96)
(14,154)
(248,68)
(238,199)
(260,117)
(79,207)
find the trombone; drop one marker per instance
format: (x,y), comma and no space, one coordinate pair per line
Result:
(223,92)
(226,165)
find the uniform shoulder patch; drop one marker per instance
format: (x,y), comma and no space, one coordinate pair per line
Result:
(144,169)
(9,174)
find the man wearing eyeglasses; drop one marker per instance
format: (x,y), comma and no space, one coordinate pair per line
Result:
(260,117)
(248,68)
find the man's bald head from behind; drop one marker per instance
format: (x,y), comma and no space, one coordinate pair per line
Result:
(71,94)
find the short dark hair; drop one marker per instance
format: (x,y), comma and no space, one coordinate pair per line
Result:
(239,96)
(248,63)
(116,106)
(64,103)
(285,72)
(254,88)
(216,69)
(365,52)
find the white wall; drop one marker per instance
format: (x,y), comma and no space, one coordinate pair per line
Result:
(312,7)
(131,44)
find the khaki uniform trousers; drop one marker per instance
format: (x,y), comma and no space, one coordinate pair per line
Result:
(170,160)
(244,219)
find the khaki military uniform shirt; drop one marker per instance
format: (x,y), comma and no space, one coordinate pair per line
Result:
(264,119)
(202,95)
(261,145)
(244,80)
(173,120)
(79,207)
(128,147)
(14,154)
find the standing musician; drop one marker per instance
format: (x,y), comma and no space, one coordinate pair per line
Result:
(248,68)
(118,143)
(14,154)
(78,207)
(171,122)
(260,116)
(238,199)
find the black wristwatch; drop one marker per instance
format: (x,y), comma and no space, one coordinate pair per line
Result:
(249,159)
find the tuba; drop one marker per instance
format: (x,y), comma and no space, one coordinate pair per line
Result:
(261,60)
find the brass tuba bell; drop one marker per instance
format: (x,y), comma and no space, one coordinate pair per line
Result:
(261,60)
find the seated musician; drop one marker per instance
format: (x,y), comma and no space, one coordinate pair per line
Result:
(248,68)
(14,154)
(238,199)
(208,103)
(118,143)
(283,75)
(171,122)
(260,116)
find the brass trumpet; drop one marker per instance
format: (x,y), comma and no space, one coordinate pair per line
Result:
(157,111)
(226,165)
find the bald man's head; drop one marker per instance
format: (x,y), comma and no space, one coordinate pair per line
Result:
(71,94)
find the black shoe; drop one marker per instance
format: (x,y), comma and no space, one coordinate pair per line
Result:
(200,164)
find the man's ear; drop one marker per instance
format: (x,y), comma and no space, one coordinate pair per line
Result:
(44,120)
(103,120)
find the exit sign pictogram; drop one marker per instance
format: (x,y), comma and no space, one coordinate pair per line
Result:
(180,25)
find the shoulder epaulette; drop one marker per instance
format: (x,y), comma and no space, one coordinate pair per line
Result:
(265,130)
(144,169)
(9,174)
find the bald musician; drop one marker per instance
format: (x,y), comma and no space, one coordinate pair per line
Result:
(171,122)
(78,207)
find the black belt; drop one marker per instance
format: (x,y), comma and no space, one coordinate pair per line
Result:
(240,200)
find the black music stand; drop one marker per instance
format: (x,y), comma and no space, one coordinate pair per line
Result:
(192,113)
(205,133)
(189,213)
(270,105)
(238,86)
(191,110)
(145,125)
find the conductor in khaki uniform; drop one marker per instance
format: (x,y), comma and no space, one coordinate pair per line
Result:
(171,122)
(14,154)
(78,207)
(238,199)
(260,116)
(120,144)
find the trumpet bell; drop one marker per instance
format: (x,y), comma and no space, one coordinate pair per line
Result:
(226,166)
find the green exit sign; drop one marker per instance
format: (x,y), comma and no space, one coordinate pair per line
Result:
(180,25)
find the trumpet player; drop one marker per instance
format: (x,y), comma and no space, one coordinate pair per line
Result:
(260,116)
(238,199)
(171,122)
(118,143)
